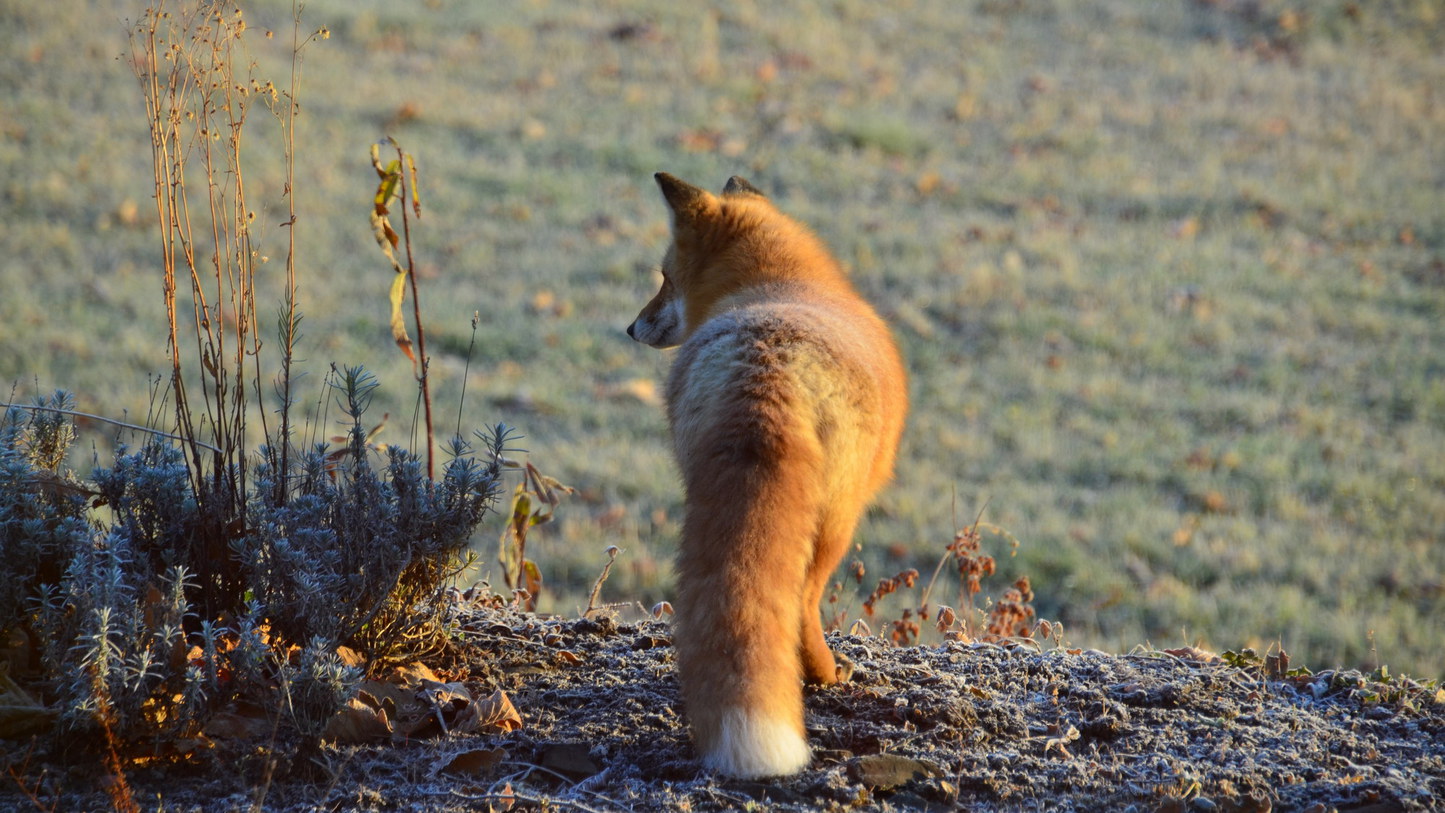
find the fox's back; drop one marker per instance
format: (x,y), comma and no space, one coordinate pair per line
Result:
(798,358)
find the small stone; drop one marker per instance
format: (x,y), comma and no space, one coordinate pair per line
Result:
(883,771)
(570,758)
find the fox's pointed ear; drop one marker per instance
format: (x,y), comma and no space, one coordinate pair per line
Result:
(687,201)
(738,185)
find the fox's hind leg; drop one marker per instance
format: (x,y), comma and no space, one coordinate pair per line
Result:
(835,534)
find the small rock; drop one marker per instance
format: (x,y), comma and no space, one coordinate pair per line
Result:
(600,625)
(570,758)
(642,642)
(883,771)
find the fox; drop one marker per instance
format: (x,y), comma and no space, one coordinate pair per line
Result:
(785,402)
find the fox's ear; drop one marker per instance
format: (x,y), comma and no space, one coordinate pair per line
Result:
(687,201)
(738,185)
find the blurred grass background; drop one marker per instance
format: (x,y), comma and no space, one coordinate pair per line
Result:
(1169,277)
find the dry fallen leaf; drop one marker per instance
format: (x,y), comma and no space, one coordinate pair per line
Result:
(453,710)
(1062,740)
(411,674)
(20,714)
(443,695)
(477,761)
(496,713)
(643,390)
(395,699)
(507,797)
(1185,228)
(1190,653)
(357,723)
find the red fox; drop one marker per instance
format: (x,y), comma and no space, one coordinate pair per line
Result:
(786,402)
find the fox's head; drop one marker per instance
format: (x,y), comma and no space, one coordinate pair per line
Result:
(698,268)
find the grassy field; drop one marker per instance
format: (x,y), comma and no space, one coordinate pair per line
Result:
(1170,278)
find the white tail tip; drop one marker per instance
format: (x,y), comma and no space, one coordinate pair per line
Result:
(750,746)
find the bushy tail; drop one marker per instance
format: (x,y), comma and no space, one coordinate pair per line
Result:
(746,548)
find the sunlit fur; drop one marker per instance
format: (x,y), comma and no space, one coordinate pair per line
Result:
(786,401)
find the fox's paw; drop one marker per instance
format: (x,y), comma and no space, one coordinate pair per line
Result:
(836,669)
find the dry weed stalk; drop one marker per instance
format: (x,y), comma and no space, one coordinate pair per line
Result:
(117,787)
(592,598)
(31,786)
(196,107)
(289,319)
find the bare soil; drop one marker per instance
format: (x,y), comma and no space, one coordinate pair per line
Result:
(958,726)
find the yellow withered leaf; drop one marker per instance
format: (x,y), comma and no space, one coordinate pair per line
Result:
(398,319)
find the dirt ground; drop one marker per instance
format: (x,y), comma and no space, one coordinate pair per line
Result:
(954,727)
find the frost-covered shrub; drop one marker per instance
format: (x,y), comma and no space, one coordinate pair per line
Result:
(115,647)
(42,506)
(361,555)
(141,625)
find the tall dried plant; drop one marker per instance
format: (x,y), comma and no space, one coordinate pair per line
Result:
(196,109)
(199,86)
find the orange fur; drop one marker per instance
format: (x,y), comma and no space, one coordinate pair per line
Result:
(786,402)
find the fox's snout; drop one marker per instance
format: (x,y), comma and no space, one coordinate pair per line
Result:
(660,324)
